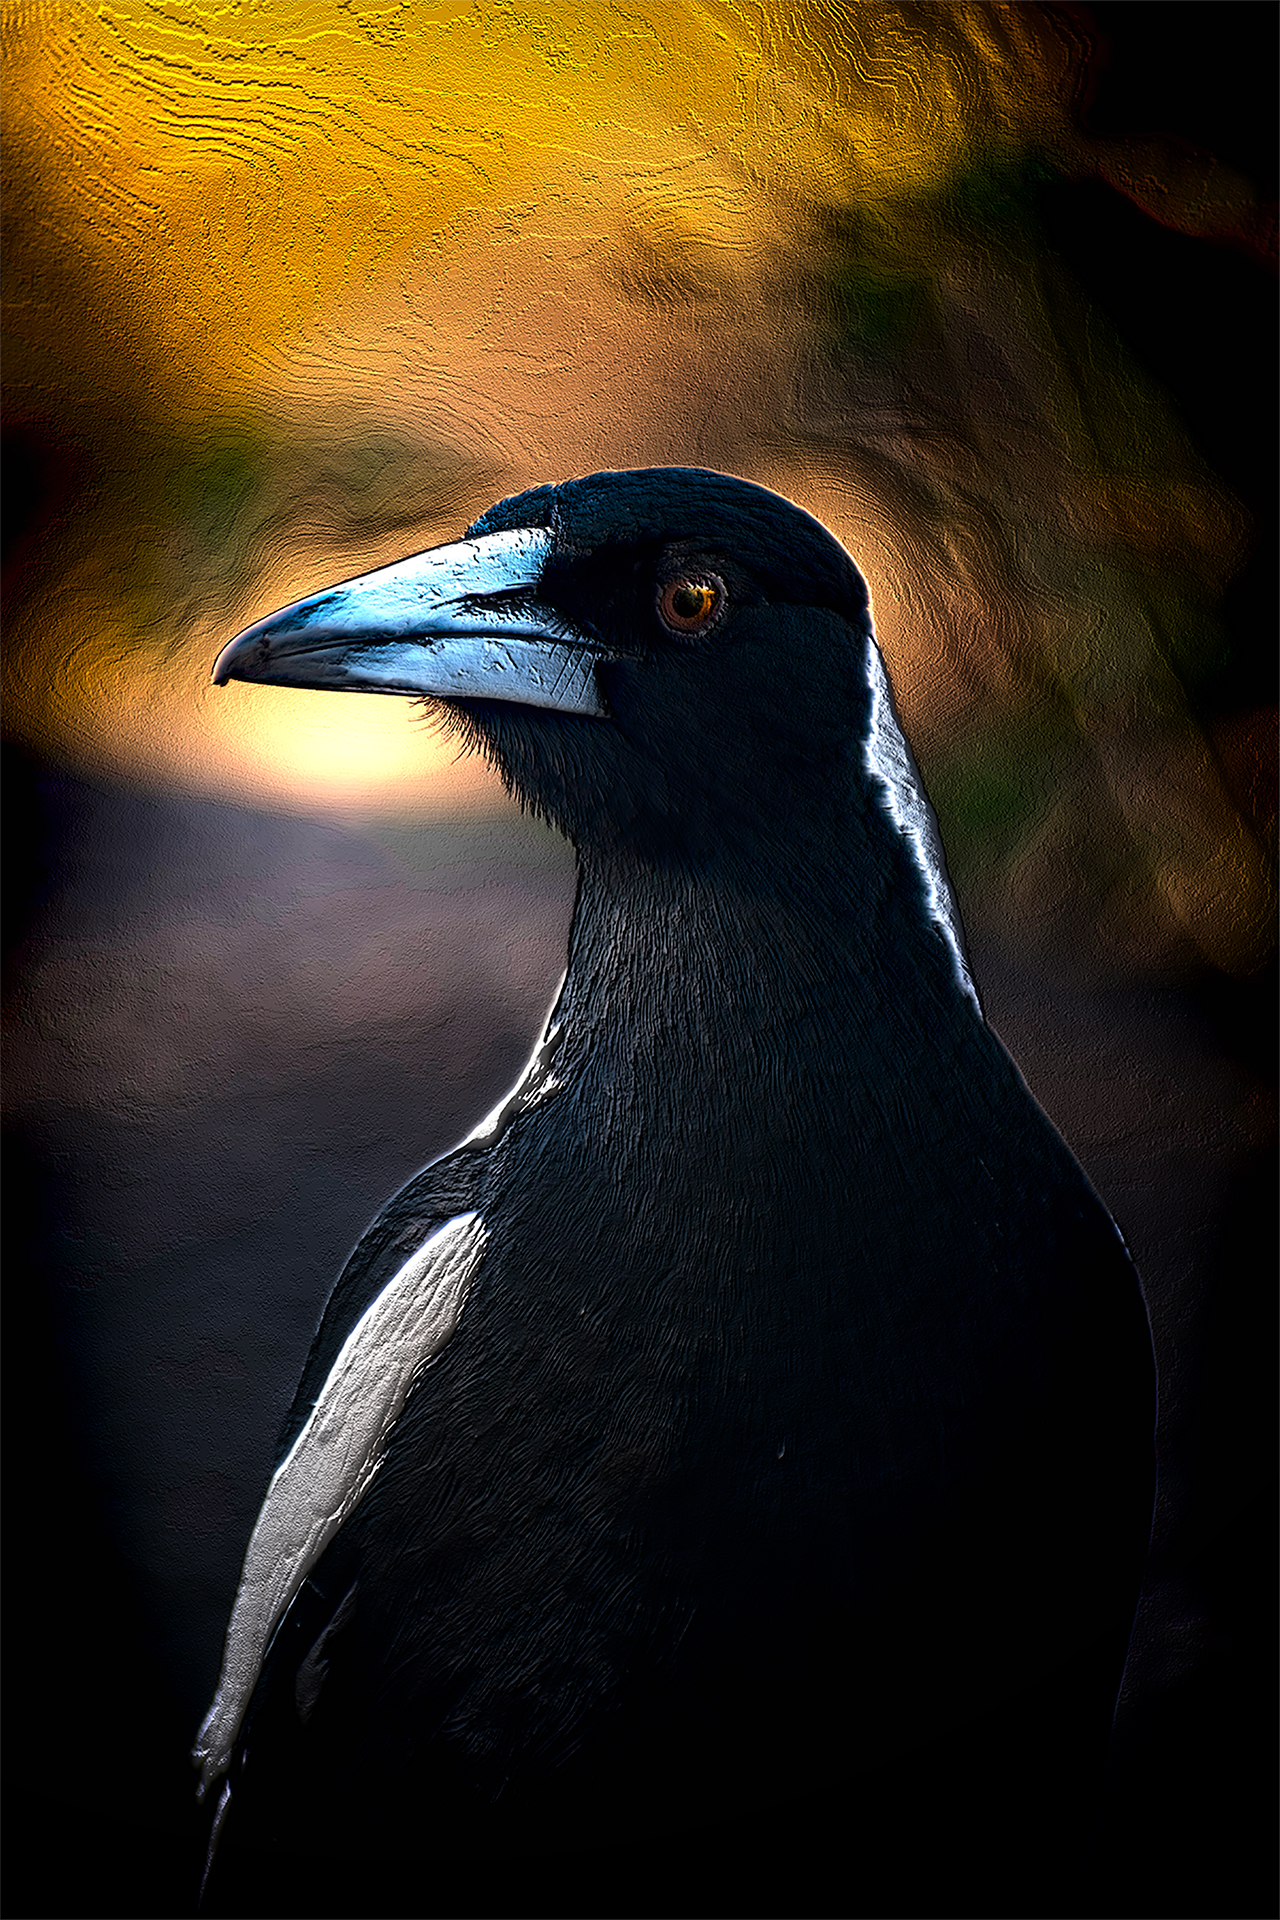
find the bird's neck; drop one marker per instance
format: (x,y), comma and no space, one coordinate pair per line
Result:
(663,961)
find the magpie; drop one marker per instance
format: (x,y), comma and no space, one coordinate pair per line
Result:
(741,1443)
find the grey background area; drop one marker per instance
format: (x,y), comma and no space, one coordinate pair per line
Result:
(233,1035)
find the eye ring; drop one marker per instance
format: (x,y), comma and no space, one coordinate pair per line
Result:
(691,602)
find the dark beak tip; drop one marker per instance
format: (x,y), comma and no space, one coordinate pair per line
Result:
(232,661)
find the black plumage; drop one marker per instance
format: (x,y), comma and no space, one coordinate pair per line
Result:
(791,1459)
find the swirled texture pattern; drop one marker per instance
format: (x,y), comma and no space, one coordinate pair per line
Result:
(295,291)
(299,285)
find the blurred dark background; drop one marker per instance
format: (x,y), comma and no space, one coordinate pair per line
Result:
(233,1033)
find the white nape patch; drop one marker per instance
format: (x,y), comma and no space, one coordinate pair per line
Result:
(334,1460)
(889,760)
(534,1085)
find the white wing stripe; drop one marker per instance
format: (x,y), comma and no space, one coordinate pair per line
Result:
(334,1459)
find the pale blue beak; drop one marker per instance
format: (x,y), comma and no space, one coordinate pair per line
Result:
(460,622)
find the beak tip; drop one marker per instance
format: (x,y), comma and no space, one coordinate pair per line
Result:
(230,663)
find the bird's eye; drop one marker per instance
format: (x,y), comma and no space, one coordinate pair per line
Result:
(691,602)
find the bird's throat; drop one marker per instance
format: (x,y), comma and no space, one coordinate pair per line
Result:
(723,974)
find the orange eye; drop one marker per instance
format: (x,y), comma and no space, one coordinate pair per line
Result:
(691,602)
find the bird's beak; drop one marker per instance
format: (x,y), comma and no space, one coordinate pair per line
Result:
(458,622)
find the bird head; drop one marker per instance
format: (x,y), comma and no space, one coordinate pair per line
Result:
(674,667)
(664,661)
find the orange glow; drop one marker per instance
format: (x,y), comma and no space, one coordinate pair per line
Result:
(304,285)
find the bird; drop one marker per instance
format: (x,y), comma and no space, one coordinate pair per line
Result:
(735,1458)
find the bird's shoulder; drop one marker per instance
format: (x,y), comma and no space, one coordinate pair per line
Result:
(441,1192)
(446,1188)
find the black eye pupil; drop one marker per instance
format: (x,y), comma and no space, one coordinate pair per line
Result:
(691,602)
